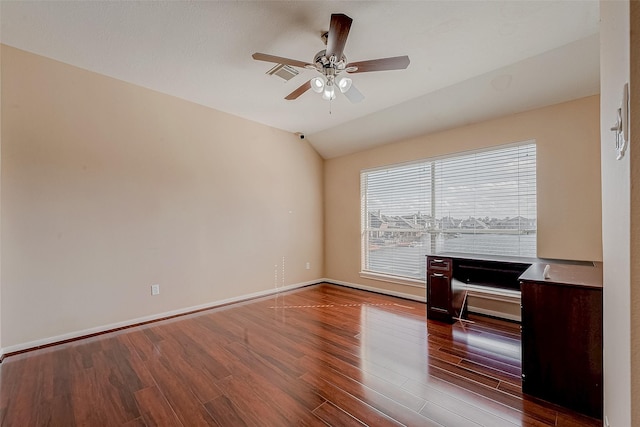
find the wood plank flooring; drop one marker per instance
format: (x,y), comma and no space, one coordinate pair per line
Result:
(321,355)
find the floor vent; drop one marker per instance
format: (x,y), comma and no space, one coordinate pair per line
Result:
(285,72)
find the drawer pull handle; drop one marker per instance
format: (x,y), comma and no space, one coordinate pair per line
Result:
(438,275)
(439,261)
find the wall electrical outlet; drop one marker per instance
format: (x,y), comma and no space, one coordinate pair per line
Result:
(308,266)
(155,289)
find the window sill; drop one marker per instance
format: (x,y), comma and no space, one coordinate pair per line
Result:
(416,283)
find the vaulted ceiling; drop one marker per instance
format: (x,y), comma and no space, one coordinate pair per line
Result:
(470,60)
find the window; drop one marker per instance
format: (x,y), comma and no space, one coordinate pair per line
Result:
(476,203)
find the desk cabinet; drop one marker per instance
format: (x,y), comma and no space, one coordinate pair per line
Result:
(439,292)
(562,336)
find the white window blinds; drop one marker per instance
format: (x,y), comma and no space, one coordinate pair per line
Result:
(478,203)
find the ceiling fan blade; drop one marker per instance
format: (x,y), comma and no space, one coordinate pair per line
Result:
(280,60)
(338,32)
(296,93)
(354,95)
(382,64)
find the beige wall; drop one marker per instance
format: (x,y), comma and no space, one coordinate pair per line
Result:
(569,203)
(616,215)
(108,188)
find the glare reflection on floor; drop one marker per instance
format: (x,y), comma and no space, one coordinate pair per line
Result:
(392,343)
(477,340)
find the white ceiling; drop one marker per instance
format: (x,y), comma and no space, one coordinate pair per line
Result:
(470,60)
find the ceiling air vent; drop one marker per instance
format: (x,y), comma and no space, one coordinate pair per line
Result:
(285,72)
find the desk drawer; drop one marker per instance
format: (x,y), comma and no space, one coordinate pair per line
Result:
(438,263)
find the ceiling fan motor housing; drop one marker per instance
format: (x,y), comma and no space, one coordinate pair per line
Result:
(328,67)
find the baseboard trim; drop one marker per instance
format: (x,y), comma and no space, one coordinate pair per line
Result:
(376,290)
(113,327)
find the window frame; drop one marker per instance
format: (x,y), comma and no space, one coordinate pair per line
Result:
(367,272)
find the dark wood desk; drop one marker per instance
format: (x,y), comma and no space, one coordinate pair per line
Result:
(562,336)
(561,319)
(449,274)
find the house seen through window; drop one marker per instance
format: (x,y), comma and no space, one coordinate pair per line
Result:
(472,203)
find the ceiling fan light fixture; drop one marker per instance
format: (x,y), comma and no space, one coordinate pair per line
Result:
(344,84)
(329,93)
(317,84)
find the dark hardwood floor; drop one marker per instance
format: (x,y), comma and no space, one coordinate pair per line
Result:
(321,355)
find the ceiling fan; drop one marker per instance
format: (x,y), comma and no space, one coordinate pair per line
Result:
(331,62)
